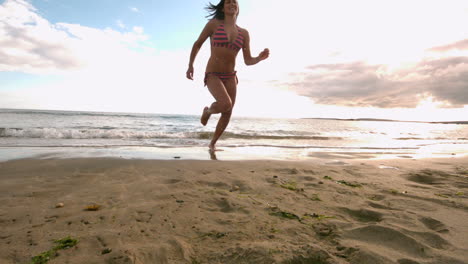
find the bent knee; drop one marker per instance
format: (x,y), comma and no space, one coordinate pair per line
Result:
(225,106)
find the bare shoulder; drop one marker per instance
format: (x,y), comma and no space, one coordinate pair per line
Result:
(213,23)
(244,31)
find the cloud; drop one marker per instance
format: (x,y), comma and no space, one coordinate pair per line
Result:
(134,9)
(359,55)
(343,57)
(459,45)
(98,69)
(359,84)
(138,30)
(447,79)
(120,24)
(32,44)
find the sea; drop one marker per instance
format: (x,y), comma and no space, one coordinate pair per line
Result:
(69,134)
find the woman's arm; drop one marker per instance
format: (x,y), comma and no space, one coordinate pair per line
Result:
(248,59)
(206,33)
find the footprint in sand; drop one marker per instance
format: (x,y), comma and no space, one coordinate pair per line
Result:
(391,239)
(434,224)
(163,252)
(223,205)
(101,241)
(377,197)
(364,215)
(307,178)
(432,240)
(243,186)
(379,206)
(410,243)
(407,261)
(219,185)
(325,229)
(312,255)
(363,256)
(143,216)
(172,181)
(121,258)
(429,177)
(288,171)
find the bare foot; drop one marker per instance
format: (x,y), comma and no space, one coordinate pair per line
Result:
(205,116)
(213,148)
(212,154)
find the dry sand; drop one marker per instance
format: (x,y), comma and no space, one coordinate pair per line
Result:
(399,211)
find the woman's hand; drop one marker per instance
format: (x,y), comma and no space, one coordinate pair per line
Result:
(264,54)
(190,73)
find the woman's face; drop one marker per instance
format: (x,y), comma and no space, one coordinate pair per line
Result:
(231,7)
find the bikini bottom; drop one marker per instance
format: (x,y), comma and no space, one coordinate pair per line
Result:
(223,76)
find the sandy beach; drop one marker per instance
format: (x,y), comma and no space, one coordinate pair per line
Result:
(403,211)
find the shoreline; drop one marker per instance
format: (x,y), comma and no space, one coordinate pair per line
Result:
(227,153)
(362,211)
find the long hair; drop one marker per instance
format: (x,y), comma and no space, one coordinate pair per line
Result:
(217,11)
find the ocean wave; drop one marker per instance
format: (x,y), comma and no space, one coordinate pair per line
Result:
(185,145)
(108,132)
(322,147)
(61,133)
(227,135)
(419,138)
(96,114)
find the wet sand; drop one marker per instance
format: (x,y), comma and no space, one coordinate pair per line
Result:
(403,211)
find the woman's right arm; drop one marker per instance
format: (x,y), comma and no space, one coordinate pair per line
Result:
(206,33)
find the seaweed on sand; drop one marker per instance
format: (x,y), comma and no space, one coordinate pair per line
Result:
(350,184)
(290,186)
(44,257)
(285,214)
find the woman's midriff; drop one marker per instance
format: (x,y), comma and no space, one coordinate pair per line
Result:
(221,60)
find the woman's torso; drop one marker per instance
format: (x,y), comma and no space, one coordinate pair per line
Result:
(226,42)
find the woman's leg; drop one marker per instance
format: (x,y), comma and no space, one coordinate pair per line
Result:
(223,100)
(231,89)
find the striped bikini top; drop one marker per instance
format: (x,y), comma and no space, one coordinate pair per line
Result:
(220,39)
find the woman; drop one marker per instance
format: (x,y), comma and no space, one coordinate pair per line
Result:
(220,76)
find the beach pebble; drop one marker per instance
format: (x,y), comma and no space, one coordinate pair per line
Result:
(59,205)
(92,207)
(234,188)
(273,207)
(106,251)
(388,167)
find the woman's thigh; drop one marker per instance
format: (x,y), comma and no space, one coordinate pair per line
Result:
(218,89)
(231,88)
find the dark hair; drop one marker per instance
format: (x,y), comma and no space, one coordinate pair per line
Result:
(217,11)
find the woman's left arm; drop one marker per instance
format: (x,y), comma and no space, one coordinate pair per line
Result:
(248,59)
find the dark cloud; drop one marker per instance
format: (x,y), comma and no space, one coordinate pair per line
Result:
(459,45)
(360,84)
(449,80)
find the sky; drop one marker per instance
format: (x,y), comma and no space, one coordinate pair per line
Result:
(399,59)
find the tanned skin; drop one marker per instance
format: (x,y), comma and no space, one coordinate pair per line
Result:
(223,60)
